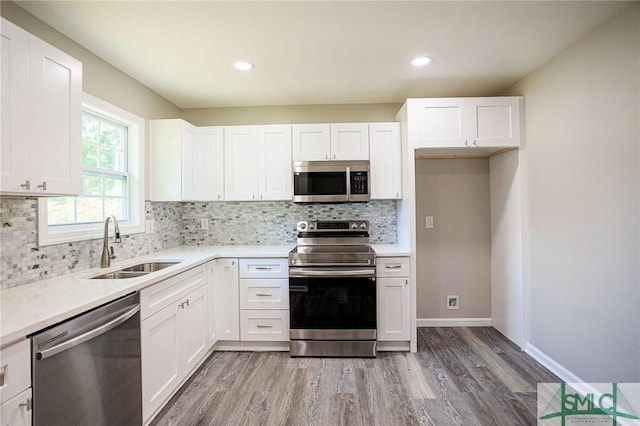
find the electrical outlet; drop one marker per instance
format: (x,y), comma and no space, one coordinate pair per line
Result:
(429,222)
(149,226)
(453,302)
(204,223)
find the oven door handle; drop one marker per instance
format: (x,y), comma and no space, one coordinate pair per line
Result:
(311,272)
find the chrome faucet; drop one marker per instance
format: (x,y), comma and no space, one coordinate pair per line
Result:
(107,252)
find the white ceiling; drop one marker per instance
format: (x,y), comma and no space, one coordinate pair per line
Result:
(322,52)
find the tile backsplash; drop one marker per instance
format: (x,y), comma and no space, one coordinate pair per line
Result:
(22,261)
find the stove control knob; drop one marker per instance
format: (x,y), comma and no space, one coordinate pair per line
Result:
(363,225)
(354,226)
(312,225)
(302,225)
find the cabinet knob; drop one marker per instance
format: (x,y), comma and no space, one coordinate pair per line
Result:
(43,186)
(326,156)
(397,195)
(475,143)
(2,375)
(28,404)
(253,196)
(406,282)
(335,156)
(26,185)
(466,143)
(218,196)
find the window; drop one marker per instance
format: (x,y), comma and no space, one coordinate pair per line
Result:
(112,141)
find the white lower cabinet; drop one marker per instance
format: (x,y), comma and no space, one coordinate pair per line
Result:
(264,325)
(15,384)
(17,411)
(174,338)
(394,308)
(226,303)
(264,300)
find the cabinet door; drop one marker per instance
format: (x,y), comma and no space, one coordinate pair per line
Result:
(311,142)
(385,161)
(189,149)
(441,123)
(203,164)
(393,309)
(160,346)
(350,141)
(194,329)
(240,163)
(495,122)
(227,300)
(55,99)
(14,412)
(14,156)
(165,154)
(275,163)
(211,301)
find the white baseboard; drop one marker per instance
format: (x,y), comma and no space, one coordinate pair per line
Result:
(453,322)
(552,365)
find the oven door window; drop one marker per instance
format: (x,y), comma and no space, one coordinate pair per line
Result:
(332,303)
(320,183)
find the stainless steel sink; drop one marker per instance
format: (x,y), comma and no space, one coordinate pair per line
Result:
(118,275)
(149,267)
(135,271)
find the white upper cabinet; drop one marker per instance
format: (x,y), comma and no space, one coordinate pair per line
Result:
(41,116)
(274,163)
(241,163)
(186,161)
(467,122)
(317,142)
(203,165)
(257,163)
(350,141)
(385,161)
(311,142)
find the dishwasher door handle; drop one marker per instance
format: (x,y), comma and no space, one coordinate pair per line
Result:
(61,347)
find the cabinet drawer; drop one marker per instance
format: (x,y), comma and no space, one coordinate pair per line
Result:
(264,293)
(264,268)
(393,267)
(161,295)
(14,412)
(15,369)
(264,325)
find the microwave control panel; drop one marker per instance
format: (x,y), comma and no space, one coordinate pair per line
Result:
(359,183)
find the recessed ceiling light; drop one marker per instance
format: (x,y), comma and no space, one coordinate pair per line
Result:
(421,61)
(242,65)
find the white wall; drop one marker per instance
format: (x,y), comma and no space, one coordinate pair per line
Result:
(582,138)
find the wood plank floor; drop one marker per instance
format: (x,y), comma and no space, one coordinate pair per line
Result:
(459,376)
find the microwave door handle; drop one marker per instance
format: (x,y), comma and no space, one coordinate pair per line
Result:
(348,183)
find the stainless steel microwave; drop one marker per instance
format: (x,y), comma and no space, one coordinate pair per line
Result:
(331,181)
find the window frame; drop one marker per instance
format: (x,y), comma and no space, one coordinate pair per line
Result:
(57,234)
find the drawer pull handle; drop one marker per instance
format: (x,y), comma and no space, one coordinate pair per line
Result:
(263,268)
(28,404)
(264,326)
(263,294)
(393,266)
(3,371)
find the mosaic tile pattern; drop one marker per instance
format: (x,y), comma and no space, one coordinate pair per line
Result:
(274,222)
(22,261)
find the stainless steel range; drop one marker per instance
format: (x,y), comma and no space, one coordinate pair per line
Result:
(332,290)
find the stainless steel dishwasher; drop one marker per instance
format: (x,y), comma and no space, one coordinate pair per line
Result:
(86,371)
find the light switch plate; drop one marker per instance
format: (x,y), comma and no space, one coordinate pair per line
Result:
(204,223)
(149,226)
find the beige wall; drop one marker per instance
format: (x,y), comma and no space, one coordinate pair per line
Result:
(295,114)
(582,132)
(453,258)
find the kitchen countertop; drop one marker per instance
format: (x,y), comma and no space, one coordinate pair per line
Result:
(32,307)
